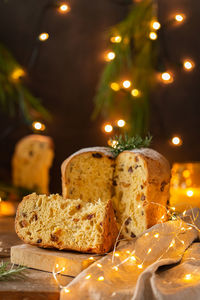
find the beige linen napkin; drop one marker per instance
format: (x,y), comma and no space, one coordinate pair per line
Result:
(131,271)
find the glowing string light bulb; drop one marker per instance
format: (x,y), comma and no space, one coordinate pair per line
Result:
(116,254)
(66,290)
(156,25)
(126,84)
(115,86)
(172,243)
(166,77)
(135,93)
(121,123)
(43,36)
(108,128)
(100,278)
(149,251)
(156,235)
(190,193)
(153,36)
(188,276)
(116,39)
(188,65)
(17,73)
(140,266)
(63,8)
(110,56)
(99,265)
(176,141)
(115,268)
(133,258)
(38,126)
(88,277)
(179,18)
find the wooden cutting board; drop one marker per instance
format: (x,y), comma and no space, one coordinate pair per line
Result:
(71,263)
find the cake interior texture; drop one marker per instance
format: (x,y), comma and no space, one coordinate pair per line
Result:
(89,177)
(136,181)
(54,222)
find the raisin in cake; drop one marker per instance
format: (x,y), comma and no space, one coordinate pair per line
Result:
(31,161)
(54,222)
(137,181)
(88,174)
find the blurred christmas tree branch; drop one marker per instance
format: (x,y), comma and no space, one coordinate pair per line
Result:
(134,59)
(14,96)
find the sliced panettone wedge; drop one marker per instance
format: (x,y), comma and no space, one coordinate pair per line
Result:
(88,174)
(141,180)
(54,222)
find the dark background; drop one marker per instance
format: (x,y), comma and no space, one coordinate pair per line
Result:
(68,66)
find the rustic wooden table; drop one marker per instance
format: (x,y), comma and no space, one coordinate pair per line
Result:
(36,284)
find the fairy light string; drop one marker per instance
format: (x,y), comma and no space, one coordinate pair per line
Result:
(131,258)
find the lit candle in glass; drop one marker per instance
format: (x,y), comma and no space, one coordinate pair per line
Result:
(185,186)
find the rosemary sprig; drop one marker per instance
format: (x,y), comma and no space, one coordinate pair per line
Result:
(10,273)
(120,143)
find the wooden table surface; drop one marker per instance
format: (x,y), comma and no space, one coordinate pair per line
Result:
(37,285)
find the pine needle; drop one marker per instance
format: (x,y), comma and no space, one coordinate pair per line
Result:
(11,273)
(121,143)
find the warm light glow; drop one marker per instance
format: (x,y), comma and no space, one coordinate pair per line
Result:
(66,290)
(43,36)
(184,213)
(88,276)
(115,86)
(126,84)
(146,234)
(135,93)
(162,217)
(99,265)
(140,266)
(57,265)
(17,74)
(101,278)
(110,56)
(173,208)
(139,206)
(116,254)
(156,25)
(189,228)
(108,128)
(188,65)
(186,173)
(188,276)
(172,243)
(115,268)
(63,8)
(133,258)
(179,17)
(128,252)
(121,123)
(153,36)
(166,77)
(38,126)
(176,141)
(156,235)
(63,269)
(6,208)
(149,251)
(183,242)
(190,193)
(91,258)
(116,39)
